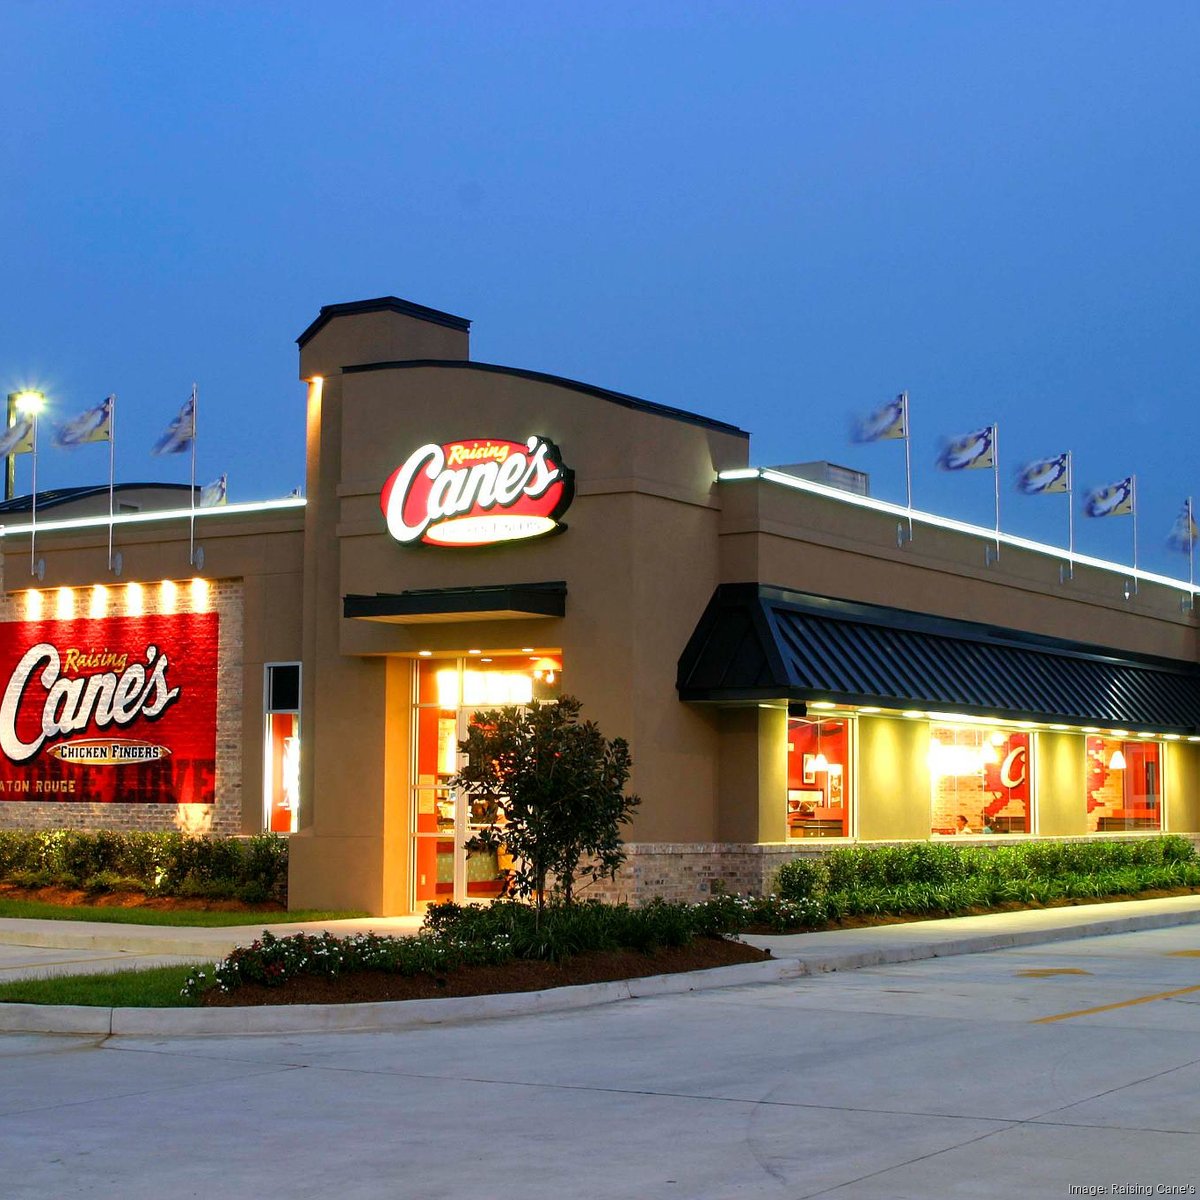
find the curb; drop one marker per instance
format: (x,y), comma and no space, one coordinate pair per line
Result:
(414,1014)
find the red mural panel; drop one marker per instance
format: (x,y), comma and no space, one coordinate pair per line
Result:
(121,710)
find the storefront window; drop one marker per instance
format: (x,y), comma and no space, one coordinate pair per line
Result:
(281,751)
(980,779)
(448,692)
(1124,784)
(818,786)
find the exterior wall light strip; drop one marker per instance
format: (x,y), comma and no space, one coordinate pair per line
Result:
(990,535)
(166,514)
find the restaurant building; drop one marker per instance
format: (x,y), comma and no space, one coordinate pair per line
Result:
(791,669)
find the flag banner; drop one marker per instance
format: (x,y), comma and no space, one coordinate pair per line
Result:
(1116,500)
(17,438)
(1184,533)
(180,433)
(117,710)
(970,452)
(212,494)
(890,421)
(95,425)
(1044,476)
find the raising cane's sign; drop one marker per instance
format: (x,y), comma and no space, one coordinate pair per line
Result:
(478,492)
(117,710)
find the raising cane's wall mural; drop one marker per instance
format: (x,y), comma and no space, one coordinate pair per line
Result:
(120,710)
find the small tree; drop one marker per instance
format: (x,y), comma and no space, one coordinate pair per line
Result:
(554,786)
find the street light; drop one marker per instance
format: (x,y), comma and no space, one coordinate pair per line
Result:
(29,402)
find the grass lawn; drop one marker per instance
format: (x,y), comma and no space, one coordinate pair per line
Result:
(154,987)
(38,911)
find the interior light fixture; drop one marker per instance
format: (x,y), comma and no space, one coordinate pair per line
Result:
(1091,728)
(869,709)
(1117,762)
(820,762)
(1059,728)
(912,714)
(425,653)
(821,704)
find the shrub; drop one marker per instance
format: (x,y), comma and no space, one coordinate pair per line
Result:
(165,864)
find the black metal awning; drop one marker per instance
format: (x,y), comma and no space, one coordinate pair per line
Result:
(764,643)
(500,602)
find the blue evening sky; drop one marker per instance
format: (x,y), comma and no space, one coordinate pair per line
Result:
(775,214)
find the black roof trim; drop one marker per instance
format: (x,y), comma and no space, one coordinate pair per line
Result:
(639,405)
(756,642)
(394,304)
(547,599)
(55,496)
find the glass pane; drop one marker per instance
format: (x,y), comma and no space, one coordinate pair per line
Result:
(980,778)
(1124,785)
(282,750)
(433,869)
(818,796)
(283,687)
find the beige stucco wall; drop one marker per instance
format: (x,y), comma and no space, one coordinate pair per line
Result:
(1181,787)
(1060,769)
(893,778)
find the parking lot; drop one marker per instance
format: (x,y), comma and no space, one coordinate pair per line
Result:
(1017,1072)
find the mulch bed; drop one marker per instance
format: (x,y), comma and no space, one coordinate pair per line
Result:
(71,897)
(520,976)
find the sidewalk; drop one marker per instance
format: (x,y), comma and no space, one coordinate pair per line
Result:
(86,946)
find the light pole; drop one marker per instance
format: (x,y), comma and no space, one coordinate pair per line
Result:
(29,402)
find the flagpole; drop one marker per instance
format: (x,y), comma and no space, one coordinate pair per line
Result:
(1191,551)
(33,504)
(907,463)
(996,470)
(1133,495)
(1070,516)
(192,535)
(112,452)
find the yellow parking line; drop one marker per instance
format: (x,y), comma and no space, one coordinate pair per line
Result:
(1087,1012)
(1183,953)
(1049,972)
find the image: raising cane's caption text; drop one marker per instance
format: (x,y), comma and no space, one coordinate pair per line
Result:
(1133,1189)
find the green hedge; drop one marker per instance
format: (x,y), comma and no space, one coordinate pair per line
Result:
(940,877)
(162,864)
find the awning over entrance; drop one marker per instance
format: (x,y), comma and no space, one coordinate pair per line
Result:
(501,602)
(763,643)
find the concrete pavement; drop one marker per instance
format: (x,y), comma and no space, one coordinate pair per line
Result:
(78,946)
(922,1080)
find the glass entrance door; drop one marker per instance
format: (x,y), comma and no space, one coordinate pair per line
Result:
(447,694)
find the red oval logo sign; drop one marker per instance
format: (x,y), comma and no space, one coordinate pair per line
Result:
(477,492)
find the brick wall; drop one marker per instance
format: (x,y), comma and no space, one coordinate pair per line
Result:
(225,597)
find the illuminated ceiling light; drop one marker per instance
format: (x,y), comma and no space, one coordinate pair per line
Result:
(486,660)
(1147,735)
(821,704)
(819,762)
(199,594)
(912,714)
(425,653)
(1119,732)
(1171,737)
(526,649)
(544,668)
(1193,738)
(1091,729)
(1117,762)
(474,651)
(1059,728)
(30,401)
(989,753)
(869,709)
